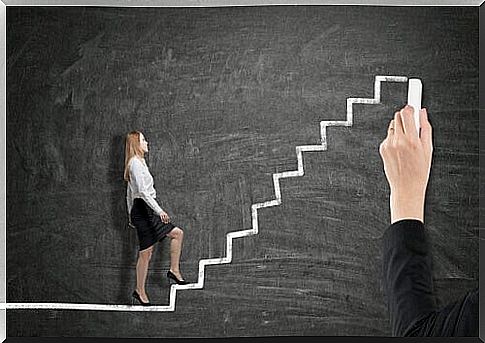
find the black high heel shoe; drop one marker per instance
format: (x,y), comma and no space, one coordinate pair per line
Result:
(136,296)
(172,276)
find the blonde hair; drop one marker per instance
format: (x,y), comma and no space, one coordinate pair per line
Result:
(132,148)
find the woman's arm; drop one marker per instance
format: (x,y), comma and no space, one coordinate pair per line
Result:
(407,261)
(128,200)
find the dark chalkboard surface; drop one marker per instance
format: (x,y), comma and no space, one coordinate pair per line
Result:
(224,95)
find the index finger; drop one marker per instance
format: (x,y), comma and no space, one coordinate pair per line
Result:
(407,115)
(398,127)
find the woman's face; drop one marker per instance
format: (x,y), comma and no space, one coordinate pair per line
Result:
(143,143)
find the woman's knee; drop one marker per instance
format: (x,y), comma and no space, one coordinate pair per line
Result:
(177,233)
(146,254)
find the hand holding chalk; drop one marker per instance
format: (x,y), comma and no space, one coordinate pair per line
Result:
(407,163)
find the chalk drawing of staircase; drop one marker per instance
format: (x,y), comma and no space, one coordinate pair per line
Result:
(231,235)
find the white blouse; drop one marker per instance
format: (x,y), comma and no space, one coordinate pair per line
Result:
(141,185)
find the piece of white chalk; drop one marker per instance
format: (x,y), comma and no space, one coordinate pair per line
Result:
(415,90)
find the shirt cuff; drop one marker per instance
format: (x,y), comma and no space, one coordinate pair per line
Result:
(407,234)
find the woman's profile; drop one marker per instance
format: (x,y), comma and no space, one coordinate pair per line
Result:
(151,222)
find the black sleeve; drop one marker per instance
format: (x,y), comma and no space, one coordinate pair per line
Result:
(407,268)
(459,318)
(408,285)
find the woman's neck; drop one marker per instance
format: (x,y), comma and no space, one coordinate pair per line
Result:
(141,158)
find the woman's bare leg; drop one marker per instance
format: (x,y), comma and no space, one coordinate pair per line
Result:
(142,271)
(177,237)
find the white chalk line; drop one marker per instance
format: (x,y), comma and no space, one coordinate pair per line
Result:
(231,235)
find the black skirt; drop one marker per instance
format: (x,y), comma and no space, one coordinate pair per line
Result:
(148,224)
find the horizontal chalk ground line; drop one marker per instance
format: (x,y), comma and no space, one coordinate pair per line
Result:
(91,307)
(231,235)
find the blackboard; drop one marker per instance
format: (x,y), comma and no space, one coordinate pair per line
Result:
(224,95)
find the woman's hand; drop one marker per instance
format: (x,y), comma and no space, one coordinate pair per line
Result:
(164,216)
(407,163)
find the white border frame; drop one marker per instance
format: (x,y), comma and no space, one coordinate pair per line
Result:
(142,3)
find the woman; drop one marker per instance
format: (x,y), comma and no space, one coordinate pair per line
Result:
(151,222)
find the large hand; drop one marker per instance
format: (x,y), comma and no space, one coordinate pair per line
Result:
(407,163)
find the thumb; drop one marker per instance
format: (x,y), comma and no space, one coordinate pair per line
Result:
(426,129)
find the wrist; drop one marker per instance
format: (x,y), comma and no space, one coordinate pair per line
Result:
(406,207)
